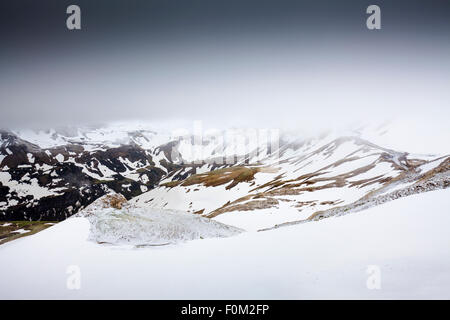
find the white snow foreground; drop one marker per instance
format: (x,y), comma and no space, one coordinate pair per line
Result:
(132,225)
(407,240)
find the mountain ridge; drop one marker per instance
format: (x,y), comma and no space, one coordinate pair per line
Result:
(301,176)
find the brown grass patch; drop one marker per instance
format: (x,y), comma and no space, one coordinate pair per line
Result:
(115,201)
(247,206)
(231,176)
(7,232)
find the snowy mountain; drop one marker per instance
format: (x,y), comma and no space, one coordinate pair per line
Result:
(53,183)
(53,174)
(307,180)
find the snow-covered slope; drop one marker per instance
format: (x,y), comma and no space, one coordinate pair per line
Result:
(407,240)
(302,179)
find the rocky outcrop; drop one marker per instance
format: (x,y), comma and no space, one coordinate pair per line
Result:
(53,184)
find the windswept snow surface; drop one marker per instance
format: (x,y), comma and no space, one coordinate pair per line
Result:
(407,239)
(137,226)
(150,227)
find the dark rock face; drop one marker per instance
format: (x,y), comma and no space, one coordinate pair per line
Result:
(55,208)
(3,192)
(53,184)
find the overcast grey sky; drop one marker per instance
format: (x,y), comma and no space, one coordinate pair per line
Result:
(257,63)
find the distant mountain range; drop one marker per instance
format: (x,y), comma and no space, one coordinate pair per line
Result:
(52,174)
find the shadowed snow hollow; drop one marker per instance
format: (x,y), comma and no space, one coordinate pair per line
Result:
(114,221)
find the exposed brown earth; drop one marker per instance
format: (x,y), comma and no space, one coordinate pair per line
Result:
(247,206)
(231,175)
(115,201)
(8,228)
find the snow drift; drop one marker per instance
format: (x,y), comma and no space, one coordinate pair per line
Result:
(114,221)
(407,239)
